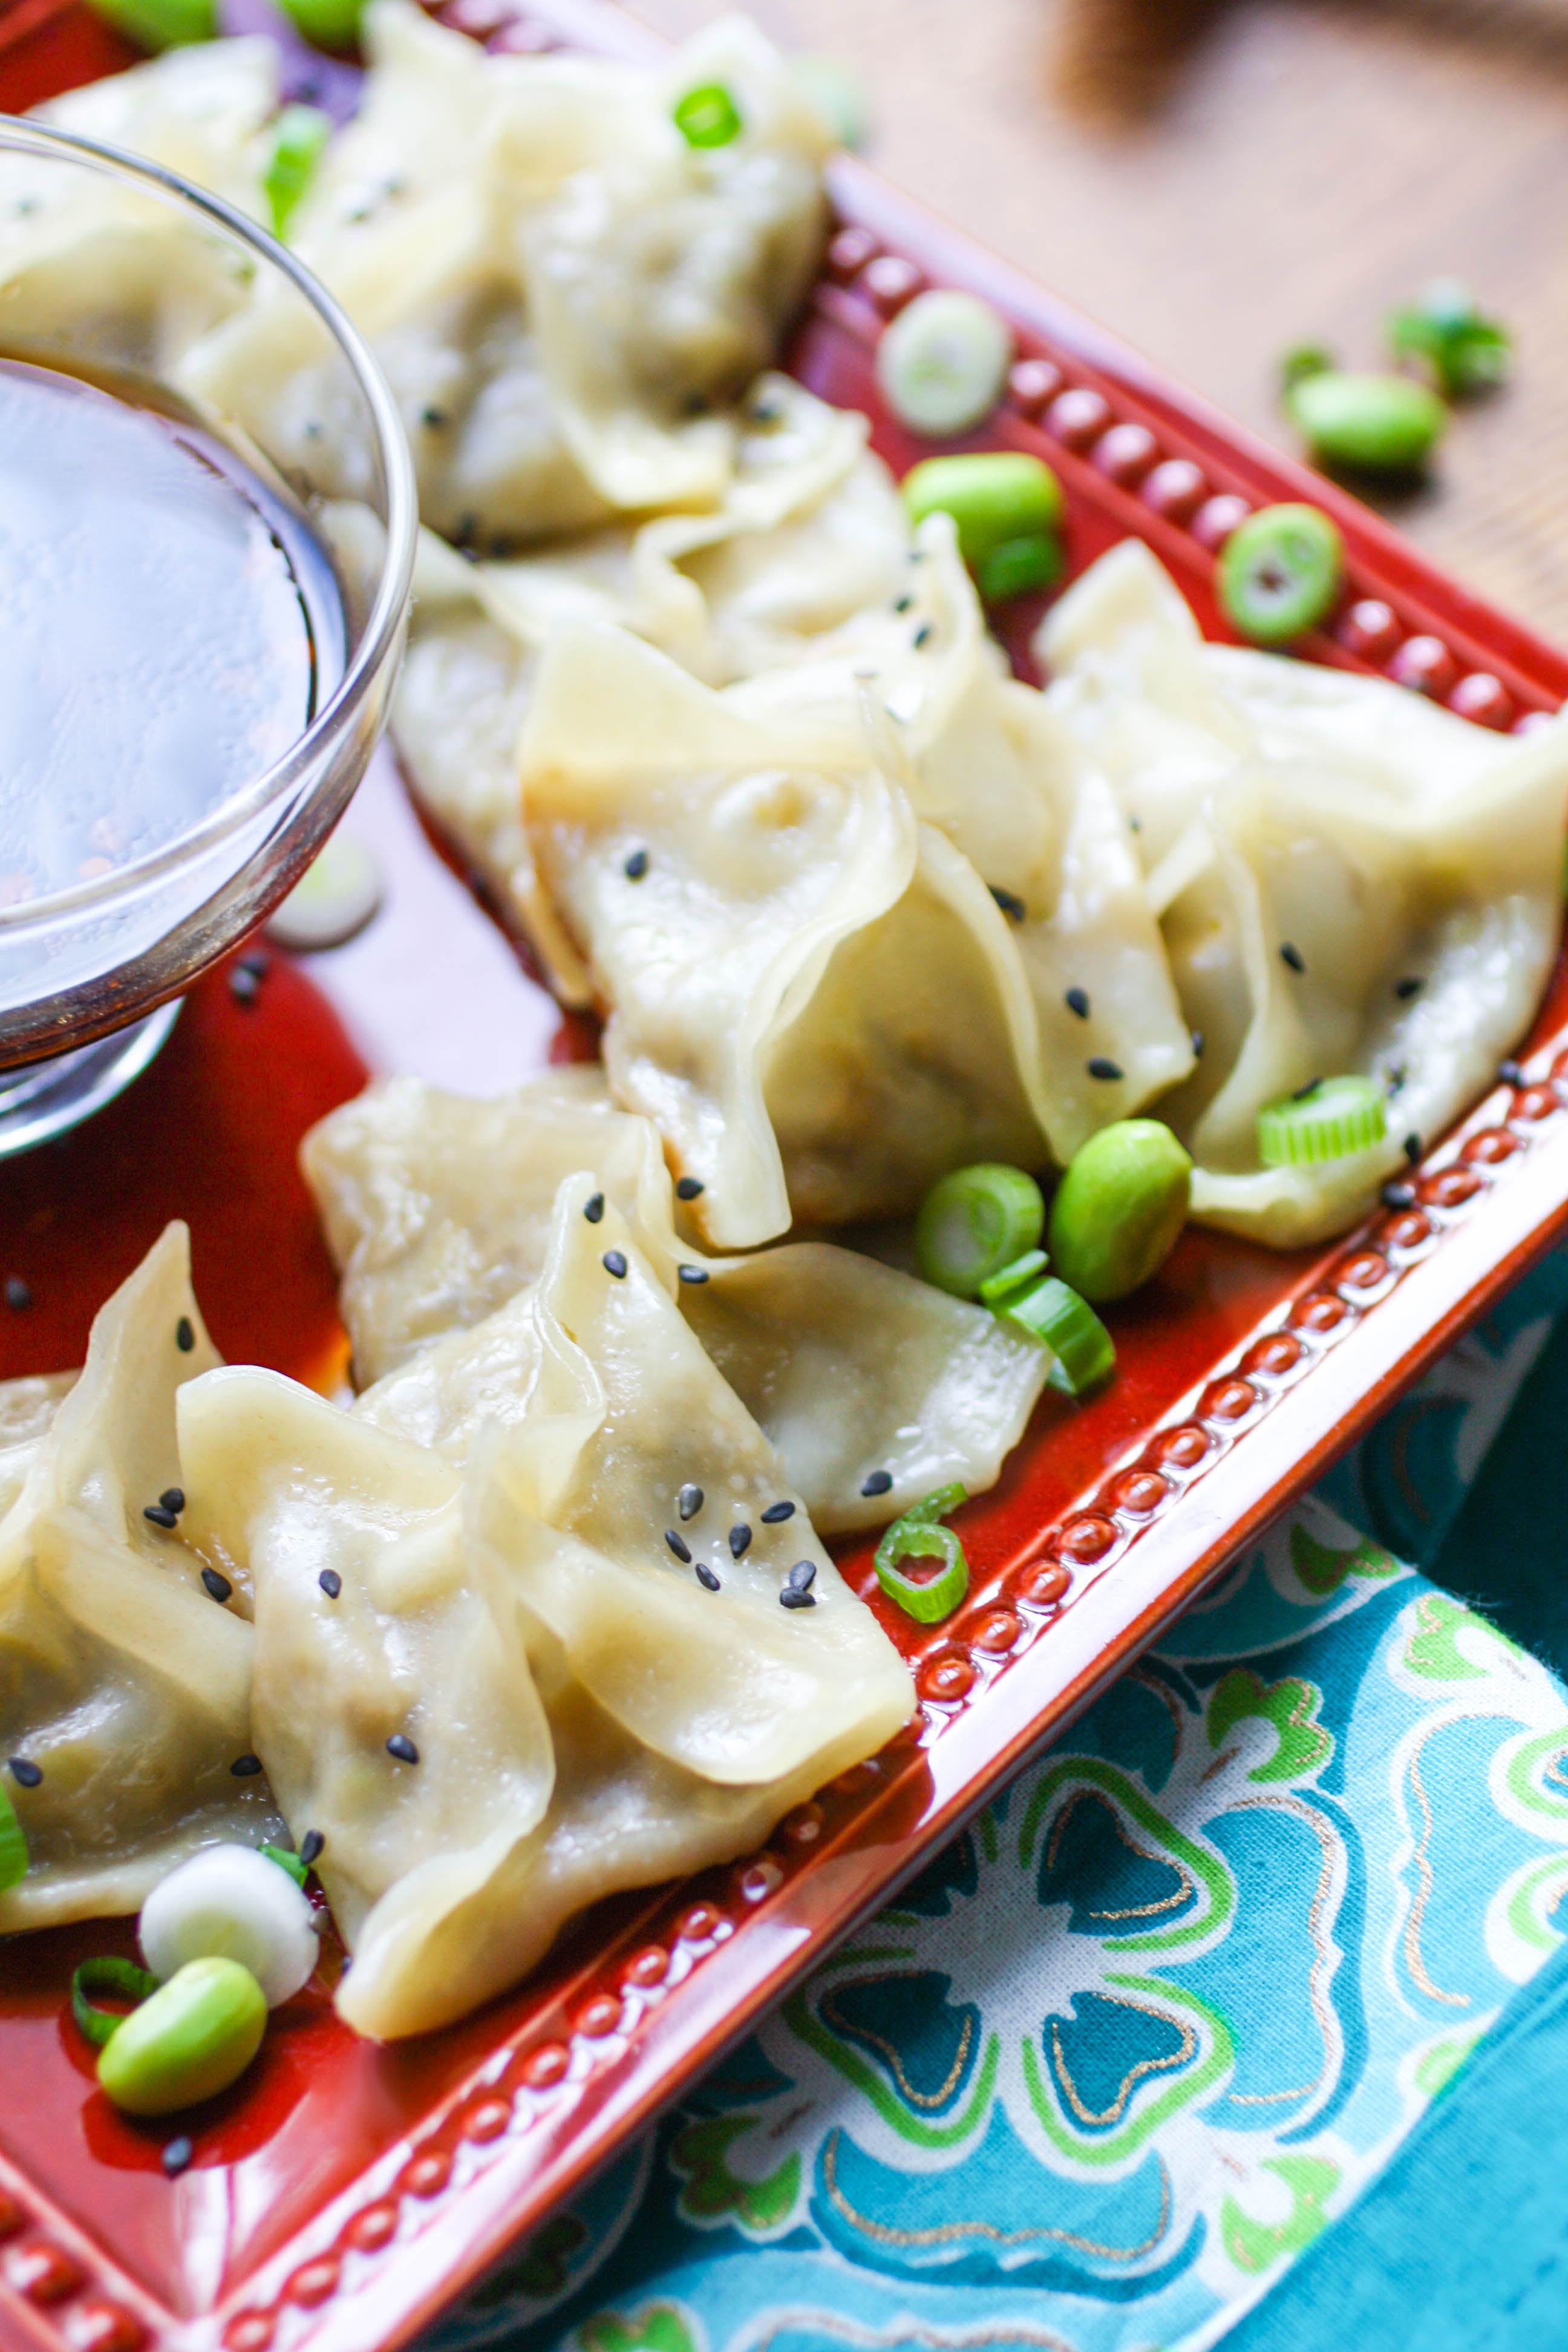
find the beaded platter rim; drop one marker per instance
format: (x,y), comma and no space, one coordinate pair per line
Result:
(557,2099)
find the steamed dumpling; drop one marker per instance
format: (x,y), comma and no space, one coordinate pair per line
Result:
(437,1209)
(1410,863)
(120,1677)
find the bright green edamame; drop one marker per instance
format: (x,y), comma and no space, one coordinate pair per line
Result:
(161,24)
(330,24)
(993,496)
(1381,424)
(191,2039)
(976,1222)
(1119,1209)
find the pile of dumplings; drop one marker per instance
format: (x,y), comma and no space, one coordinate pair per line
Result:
(729,745)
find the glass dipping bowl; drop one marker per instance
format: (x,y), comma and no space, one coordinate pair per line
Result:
(112,268)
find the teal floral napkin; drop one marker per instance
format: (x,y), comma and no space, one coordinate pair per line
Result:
(1147,2031)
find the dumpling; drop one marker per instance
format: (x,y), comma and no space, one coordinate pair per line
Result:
(28,1408)
(376,1620)
(810,531)
(1348,879)
(812,996)
(436,1209)
(122,1679)
(677,1722)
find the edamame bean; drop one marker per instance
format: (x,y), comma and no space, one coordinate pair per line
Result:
(993,496)
(1382,424)
(191,2039)
(1119,1209)
(161,24)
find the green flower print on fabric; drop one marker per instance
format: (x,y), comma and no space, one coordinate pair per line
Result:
(1292,1705)
(1323,1570)
(657,2327)
(884,2096)
(701,2158)
(1433,1651)
(1255,2246)
(1440,2062)
(1213,2065)
(1205,1869)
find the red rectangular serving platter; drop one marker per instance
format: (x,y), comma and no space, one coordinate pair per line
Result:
(343,2193)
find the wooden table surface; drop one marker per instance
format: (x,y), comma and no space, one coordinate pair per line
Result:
(1217,180)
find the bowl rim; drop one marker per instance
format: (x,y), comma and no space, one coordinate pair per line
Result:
(20,134)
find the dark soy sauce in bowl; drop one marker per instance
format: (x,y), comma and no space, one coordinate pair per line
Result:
(169,626)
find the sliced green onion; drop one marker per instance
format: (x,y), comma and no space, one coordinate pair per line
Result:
(975,1222)
(1280,572)
(1019,566)
(993,496)
(1021,1275)
(708,117)
(107,1974)
(942,363)
(1444,330)
(1328,1121)
(287,1861)
(161,24)
(1070,1328)
(330,24)
(918,1535)
(1301,361)
(299,137)
(13,1845)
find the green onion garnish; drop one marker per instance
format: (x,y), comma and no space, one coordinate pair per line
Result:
(1332,1118)
(299,137)
(917,1535)
(1070,1328)
(1012,1282)
(108,1973)
(973,1224)
(291,1863)
(708,117)
(13,1846)
(1019,566)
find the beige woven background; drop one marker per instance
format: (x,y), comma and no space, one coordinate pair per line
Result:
(1218,179)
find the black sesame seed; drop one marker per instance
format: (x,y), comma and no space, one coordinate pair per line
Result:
(594,1207)
(902,603)
(173,1498)
(17,1293)
(24,1772)
(1134,824)
(402,1749)
(434,417)
(245,1767)
(243,986)
(1510,1073)
(330,1582)
(706,1578)
(218,1585)
(614,1262)
(803,1575)
(1099,1068)
(688,1502)
(923,635)
(678,1545)
(311,1847)
(792,1597)
(184,1334)
(1012,905)
(1305,1094)
(635,865)
(1394,1195)
(1292,956)
(160,1517)
(695,403)
(1197,1036)
(1413,1149)
(694,1275)
(776,1512)
(1078,1002)
(878,1482)
(1406,989)
(689,1188)
(178,2154)
(740,1540)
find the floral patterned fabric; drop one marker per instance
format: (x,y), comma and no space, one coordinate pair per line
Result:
(1137,2037)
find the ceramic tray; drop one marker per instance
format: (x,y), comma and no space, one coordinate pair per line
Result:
(343,2193)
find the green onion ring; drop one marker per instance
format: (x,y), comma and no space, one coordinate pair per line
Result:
(1068,1326)
(280,1854)
(108,1973)
(13,1845)
(917,1535)
(975,1222)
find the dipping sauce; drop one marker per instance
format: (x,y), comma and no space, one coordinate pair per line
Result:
(164,617)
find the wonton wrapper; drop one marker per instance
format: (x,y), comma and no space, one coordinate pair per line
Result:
(812,996)
(1380,837)
(120,1676)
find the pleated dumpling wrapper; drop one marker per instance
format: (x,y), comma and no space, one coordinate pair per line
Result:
(1349,879)
(584,1715)
(122,1680)
(809,532)
(811,995)
(984,762)
(438,1209)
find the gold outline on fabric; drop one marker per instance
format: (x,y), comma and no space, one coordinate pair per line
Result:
(1134,2075)
(1318,1976)
(944,2232)
(1183,1894)
(1411,1937)
(807,2319)
(851,2033)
